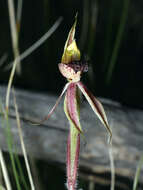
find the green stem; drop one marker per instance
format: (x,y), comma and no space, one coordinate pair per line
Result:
(10,146)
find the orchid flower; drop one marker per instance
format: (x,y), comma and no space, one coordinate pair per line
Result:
(71,67)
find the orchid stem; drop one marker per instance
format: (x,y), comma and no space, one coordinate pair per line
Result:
(73,147)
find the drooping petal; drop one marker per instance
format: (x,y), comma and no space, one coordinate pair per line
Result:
(54,107)
(96,106)
(71,106)
(57,102)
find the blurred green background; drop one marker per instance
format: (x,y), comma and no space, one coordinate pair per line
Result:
(109,35)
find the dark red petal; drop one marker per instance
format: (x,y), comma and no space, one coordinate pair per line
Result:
(96,106)
(71,108)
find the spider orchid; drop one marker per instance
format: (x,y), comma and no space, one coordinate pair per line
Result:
(71,67)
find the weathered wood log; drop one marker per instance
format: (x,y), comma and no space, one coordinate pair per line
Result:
(48,141)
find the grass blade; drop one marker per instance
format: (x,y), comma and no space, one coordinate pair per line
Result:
(26,53)
(4,171)
(14,33)
(138,170)
(117,41)
(108,35)
(14,158)
(37,44)
(23,145)
(18,14)
(10,147)
(21,174)
(3,59)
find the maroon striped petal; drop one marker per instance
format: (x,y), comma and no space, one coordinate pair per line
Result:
(56,104)
(96,106)
(73,145)
(70,106)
